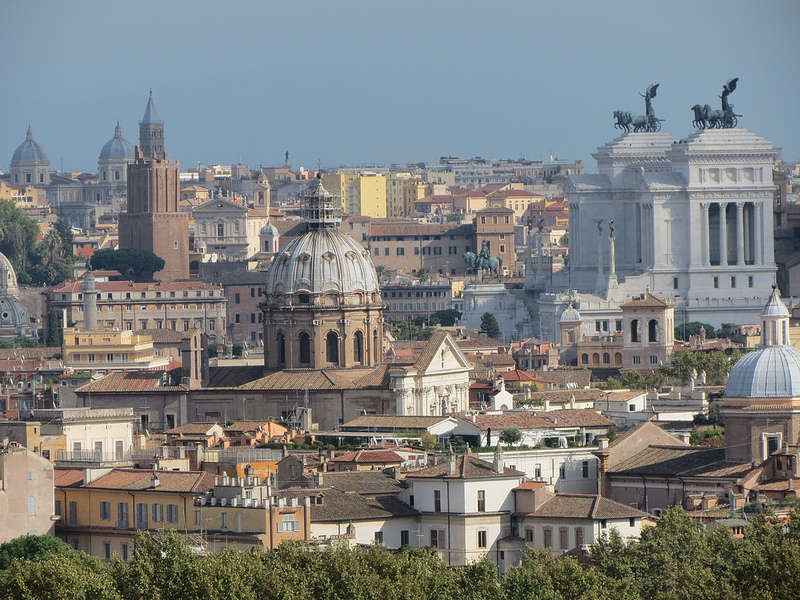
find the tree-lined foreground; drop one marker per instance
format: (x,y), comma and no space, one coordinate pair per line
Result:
(675,560)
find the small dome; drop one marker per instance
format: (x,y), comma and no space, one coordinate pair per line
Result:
(570,315)
(270,229)
(29,152)
(13,316)
(773,372)
(117,147)
(775,306)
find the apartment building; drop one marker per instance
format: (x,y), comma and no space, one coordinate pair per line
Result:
(408,247)
(414,299)
(495,225)
(178,305)
(245,292)
(26,493)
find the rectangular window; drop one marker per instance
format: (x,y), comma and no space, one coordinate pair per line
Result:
(416,251)
(73,512)
(562,471)
(122,515)
(158,513)
(105,511)
(236,298)
(437,501)
(58,507)
(224,520)
(125,552)
(637,360)
(401,252)
(653,359)
(733,282)
(548,537)
(749,281)
(537,471)
(379,537)
(404,537)
(482,538)
(237,318)
(579,537)
(141,515)
(585,469)
(31,506)
(563,538)
(252,292)
(632,521)
(437,538)
(172,513)
(603,524)
(502,248)
(252,317)
(716,281)
(529,535)
(386,251)
(107,551)
(197,517)
(481,500)
(674,283)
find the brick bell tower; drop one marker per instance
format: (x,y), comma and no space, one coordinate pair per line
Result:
(154,220)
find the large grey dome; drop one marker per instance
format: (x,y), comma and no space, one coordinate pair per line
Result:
(117,148)
(770,372)
(28,152)
(324,259)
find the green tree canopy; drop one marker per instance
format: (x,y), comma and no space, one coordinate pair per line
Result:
(447,317)
(28,547)
(133,263)
(511,435)
(489,325)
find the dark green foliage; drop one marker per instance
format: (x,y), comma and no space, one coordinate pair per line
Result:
(510,435)
(29,547)
(135,264)
(20,341)
(677,560)
(47,262)
(55,329)
(410,330)
(447,317)
(489,326)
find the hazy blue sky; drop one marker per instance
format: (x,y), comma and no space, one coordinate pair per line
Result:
(360,82)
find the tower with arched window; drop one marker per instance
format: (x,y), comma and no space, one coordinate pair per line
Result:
(648,331)
(323,306)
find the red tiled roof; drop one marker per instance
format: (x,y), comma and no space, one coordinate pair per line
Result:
(68,477)
(517,375)
(76,285)
(647,300)
(191,428)
(140,479)
(468,466)
(370,456)
(530,485)
(541,420)
(130,381)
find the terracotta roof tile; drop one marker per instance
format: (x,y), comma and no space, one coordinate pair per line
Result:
(585,506)
(199,428)
(686,461)
(130,381)
(169,481)
(68,477)
(647,300)
(468,466)
(552,419)
(370,456)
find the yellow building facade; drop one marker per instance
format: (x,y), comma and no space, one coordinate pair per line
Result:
(109,349)
(362,194)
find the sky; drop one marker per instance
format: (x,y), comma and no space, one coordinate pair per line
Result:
(371,82)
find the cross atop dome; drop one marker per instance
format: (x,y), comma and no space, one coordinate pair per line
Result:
(320,207)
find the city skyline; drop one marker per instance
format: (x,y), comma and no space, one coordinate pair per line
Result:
(333,84)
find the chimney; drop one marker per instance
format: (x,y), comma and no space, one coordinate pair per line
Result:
(602,443)
(546,403)
(572,401)
(451,460)
(498,458)
(154,481)
(685,437)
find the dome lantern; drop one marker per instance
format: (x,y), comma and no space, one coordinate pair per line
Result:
(775,321)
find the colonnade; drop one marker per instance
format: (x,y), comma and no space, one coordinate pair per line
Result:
(748,220)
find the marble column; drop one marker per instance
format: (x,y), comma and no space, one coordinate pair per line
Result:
(758,254)
(723,234)
(601,280)
(705,234)
(740,233)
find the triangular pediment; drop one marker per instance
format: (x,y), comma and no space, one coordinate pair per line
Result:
(441,355)
(218,204)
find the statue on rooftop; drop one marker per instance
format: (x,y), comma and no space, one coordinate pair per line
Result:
(647,123)
(706,118)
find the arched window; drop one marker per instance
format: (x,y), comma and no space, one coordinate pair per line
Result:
(375,347)
(595,359)
(281,349)
(652,331)
(305,348)
(606,358)
(617,358)
(358,347)
(635,330)
(584,359)
(332,347)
